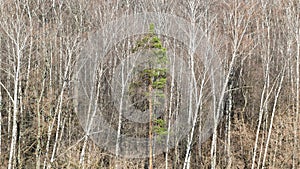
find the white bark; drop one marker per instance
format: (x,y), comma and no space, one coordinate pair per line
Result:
(238,32)
(71,49)
(93,112)
(14,30)
(282,75)
(192,118)
(170,111)
(12,157)
(228,125)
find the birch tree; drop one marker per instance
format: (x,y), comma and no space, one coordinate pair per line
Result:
(14,29)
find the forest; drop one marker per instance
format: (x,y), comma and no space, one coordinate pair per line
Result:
(149,84)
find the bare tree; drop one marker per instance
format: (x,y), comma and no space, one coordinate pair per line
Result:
(258,49)
(14,29)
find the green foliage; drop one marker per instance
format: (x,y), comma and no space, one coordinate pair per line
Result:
(160,84)
(156,75)
(151,28)
(160,127)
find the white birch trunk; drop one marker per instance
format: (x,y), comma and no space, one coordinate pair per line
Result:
(273,114)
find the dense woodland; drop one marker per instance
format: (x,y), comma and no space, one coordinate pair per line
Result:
(258,47)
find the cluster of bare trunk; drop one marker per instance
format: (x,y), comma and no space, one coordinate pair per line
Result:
(258,44)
